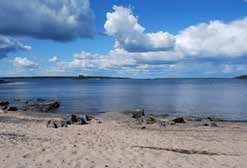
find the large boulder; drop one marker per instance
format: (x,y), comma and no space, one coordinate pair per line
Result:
(70,119)
(4,103)
(12,109)
(56,124)
(179,120)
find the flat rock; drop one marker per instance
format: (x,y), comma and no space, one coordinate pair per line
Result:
(40,105)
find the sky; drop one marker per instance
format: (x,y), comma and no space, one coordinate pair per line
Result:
(128,38)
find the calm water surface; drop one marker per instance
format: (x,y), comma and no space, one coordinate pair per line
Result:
(223,98)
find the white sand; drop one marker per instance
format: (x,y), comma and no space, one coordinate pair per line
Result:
(27,143)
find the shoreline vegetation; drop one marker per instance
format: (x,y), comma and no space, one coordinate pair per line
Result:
(242,77)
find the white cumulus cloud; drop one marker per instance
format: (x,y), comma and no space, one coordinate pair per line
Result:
(85,60)
(215,39)
(129,34)
(24,63)
(54,59)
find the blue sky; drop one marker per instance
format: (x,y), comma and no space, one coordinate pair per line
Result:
(160,38)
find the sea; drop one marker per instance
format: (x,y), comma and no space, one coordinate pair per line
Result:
(196,98)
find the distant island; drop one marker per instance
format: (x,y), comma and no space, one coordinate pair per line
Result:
(242,77)
(80,77)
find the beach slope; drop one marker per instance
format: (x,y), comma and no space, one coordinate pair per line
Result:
(26,142)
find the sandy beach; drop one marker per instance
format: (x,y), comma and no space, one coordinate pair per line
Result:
(26,142)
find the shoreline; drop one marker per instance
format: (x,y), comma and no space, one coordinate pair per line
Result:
(25,139)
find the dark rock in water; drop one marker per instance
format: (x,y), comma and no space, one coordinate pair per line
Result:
(12,109)
(137,113)
(40,106)
(35,101)
(4,103)
(179,120)
(39,100)
(46,107)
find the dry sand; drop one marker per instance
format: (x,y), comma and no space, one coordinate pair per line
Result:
(25,142)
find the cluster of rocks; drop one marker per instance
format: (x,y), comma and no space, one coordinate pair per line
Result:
(34,105)
(71,119)
(4,105)
(141,118)
(208,122)
(41,105)
(136,116)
